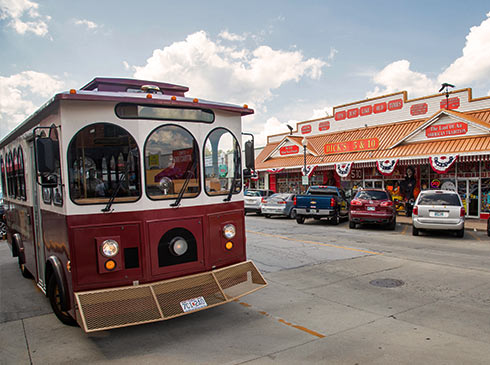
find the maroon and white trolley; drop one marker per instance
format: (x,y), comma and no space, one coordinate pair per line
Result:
(124,202)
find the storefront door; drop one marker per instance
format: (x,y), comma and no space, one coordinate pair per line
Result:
(469,193)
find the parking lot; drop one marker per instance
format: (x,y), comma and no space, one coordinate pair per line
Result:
(335,295)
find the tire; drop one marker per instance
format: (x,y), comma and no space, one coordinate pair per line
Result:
(3,230)
(55,301)
(415,231)
(336,220)
(392,225)
(460,233)
(352,224)
(267,215)
(300,219)
(292,214)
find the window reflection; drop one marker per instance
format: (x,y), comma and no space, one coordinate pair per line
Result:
(222,165)
(171,163)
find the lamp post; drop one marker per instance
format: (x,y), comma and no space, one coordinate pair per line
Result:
(304,142)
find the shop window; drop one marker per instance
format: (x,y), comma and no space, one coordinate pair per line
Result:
(171,163)
(21,181)
(485,196)
(103,166)
(222,165)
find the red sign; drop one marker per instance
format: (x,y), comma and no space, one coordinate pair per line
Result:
(340,115)
(443,130)
(453,103)
(395,104)
(306,129)
(352,146)
(324,126)
(418,109)
(366,110)
(289,150)
(379,108)
(353,113)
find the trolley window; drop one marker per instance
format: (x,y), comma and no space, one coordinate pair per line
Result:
(103,162)
(134,111)
(171,163)
(222,165)
(4,183)
(21,181)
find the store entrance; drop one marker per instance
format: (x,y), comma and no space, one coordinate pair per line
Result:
(470,195)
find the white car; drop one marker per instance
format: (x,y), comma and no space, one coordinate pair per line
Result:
(253,200)
(438,210)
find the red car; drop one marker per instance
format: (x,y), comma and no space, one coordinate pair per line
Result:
(372,206)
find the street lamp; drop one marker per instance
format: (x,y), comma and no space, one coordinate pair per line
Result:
(304,142)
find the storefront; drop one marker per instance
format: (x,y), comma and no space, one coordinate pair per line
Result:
(392,143)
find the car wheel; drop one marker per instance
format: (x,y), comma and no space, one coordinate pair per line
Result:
(460,233)
(336,220)
(392,225)
(300,219)
(55,301)
(415,231)
(267,215)
(292,214)
(352,224)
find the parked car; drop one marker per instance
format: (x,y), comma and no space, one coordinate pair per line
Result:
(322,202)
(253,200)
(3,225)
(279,204)
(438,210)
(373,206)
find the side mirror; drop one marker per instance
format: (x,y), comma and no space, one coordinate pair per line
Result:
(249,155)
(46,155)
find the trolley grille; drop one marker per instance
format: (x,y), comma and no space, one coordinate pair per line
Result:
(132,305)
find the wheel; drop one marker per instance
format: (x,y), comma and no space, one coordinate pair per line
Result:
(55,300)
(352,224)
(3,230)
(267,215)
(292,214)
(336,220)
(460,233)
(415,231)
(300,219)
(392,225)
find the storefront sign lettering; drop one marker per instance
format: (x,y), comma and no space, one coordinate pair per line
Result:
(366,110)
(340,115)
(379,108)
(453,103)
(418,109)
(289,150)
(352,146)
(353,113)
(306,129)
(449,129)
(395,104)
(324,126)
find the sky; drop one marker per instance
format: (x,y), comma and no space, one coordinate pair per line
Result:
(288,60)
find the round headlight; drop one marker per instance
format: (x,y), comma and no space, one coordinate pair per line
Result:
(229,231)
(178,246)
(109,248)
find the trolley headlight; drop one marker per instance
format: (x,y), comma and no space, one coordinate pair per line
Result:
(229,231)
(178,246)
(109,248)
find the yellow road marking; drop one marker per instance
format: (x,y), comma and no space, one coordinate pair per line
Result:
(472,234)
(315,243)
(283,321)
(405,228)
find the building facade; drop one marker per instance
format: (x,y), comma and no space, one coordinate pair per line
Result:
(435,142)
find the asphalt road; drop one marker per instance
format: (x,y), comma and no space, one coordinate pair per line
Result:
(323,305)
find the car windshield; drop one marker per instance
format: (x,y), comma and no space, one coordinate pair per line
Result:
(372,195)
(252,193)
(439,199)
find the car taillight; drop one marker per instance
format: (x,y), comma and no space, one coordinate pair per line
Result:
(462,212)
(294,200)
(387,203)
(356,202)
(415,210)
(281,202)
(263,200)
(333,202)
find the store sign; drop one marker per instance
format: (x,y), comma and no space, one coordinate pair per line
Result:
(353,113)
(289,150)
(366,110)
(395,104)
(324,126)
(369,109)
(340,115)
(452,102)
(379,108)
(419,109)
(306,129)
(352,146)
(444,130)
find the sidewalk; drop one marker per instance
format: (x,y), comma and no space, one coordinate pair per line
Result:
(470,223)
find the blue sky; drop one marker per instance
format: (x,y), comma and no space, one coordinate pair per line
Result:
(289,60)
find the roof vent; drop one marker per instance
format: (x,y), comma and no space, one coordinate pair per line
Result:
(151,89)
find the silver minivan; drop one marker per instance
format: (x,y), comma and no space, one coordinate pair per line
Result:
(438,210)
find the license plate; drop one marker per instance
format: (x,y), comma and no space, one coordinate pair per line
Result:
(193,304)
(371,208)
(438,214)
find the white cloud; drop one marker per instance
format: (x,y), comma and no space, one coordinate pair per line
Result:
(227,73)
(87,23)
(271,127)
(474,64)
(23,16)
(398,76)
(231,36)
(16,95)
(332,53)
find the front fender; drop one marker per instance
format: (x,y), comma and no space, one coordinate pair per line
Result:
(59,273)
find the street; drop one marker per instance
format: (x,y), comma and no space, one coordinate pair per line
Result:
(335,295)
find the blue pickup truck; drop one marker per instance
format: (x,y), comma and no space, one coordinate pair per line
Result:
(322,202)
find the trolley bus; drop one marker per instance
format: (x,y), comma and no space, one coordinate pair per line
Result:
(124,202)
